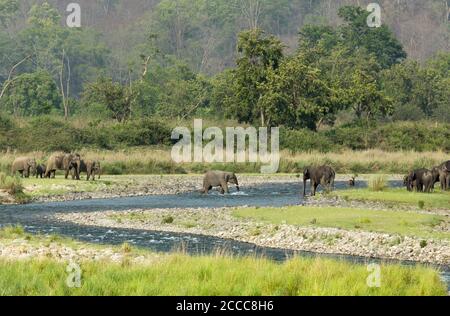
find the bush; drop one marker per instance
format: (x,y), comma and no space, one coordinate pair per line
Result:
(378,183)
(12,185)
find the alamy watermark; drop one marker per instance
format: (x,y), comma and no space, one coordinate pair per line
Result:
(231,148)
(374,18)
(74,17)
(74,275)
(374,278)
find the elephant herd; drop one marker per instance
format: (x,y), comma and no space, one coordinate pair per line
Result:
(323,175)
(424,180)
(67,162)
(421,180)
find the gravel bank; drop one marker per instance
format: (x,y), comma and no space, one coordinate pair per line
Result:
(221,223)
(24,249)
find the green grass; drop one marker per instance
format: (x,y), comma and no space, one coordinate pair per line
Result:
(437,199)
(392,222)
(216,275)
(60,185)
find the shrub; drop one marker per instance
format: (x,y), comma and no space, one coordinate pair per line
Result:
(12,185)
(378,183)
(167,220)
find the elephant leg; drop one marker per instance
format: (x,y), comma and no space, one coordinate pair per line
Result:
(66,173)
(314,186)
(225,188)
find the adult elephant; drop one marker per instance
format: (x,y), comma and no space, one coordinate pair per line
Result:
(323,175)
(90,167)
(63,161)
(441,174)
(423,179)
(219,179)
(24,165)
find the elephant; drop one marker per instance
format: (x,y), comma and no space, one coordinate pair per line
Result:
(24,165)
(442,174)
(219,179)
(40,171)
(421,180)
(63,161)
(352,182)
(409,184)
(323,175)
(91,167)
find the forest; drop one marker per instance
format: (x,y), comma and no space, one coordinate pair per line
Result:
(136,69)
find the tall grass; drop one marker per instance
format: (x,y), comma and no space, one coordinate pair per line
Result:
(182,275)
(12,185)
(378,183)
(153,160)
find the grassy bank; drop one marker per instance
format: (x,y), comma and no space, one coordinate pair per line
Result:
(180,274)
(392,222)
(393,197)
(184,275)
(158,161)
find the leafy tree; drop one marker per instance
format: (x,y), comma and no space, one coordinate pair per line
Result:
(32,94)
(259,55)
(297,96)
(423,88)
(109,95)
(378,41)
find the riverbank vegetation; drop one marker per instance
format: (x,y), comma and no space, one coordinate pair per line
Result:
(389,221)
(154,160)
(392,197)
(11,190)
(342,86)
(217,274)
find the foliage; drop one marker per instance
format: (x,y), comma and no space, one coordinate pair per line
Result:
(32,94)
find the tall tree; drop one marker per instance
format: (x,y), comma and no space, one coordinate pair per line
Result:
(259,54)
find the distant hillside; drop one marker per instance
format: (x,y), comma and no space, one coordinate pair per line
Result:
(203,32)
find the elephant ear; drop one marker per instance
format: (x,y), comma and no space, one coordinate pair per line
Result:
(227,177)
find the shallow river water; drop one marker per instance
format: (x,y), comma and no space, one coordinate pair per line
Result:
(38,218)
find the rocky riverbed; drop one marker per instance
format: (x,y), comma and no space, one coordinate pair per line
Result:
(24,248)
(220,222)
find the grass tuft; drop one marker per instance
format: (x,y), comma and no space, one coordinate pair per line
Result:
(378,183)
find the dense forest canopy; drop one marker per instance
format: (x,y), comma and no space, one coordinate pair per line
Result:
(299,64)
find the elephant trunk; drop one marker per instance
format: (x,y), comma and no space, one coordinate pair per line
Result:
(304,186)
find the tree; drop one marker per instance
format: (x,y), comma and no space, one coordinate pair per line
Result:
(32,94)
(259,54)
(297,95)
(111,96)
(378,41)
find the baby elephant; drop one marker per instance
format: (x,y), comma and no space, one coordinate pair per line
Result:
(40,171)
(219,179)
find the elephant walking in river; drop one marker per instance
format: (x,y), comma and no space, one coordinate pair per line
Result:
(323,175)
(219,179)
